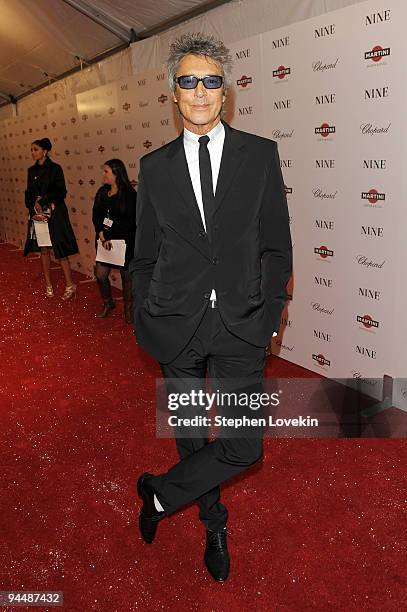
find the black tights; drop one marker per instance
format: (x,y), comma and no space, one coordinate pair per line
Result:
(102,276)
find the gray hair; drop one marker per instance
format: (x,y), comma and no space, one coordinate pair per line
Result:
(199,44)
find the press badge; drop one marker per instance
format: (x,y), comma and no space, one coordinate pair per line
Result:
(107,222)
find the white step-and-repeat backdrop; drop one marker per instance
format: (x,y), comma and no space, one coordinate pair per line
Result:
(331,92)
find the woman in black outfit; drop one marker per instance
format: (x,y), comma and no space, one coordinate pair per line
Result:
(114,218)
(45,200)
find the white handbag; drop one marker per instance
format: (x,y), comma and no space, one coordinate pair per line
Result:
(42,233)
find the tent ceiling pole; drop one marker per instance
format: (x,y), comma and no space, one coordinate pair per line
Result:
(170,23)
(101,18)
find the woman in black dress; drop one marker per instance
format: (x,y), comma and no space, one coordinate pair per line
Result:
(114,218)
(45,200)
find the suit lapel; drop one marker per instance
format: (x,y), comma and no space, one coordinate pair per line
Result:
(180,175)
(233,155)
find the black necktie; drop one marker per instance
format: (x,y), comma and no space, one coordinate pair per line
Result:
(205,170)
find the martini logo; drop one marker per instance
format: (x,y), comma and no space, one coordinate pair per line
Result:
(53,125)
(73,120)
(130,147)
(162,99)
(367,321)
(244,81)
(281,72)
(323,252)
(80,182)
(377,53)
(142,104)
(92,182)
(325,130)
(101,149)
(67,152)
(85,117)
(111,111)
(321,359)
(126,107)
(147,144)
(373,196)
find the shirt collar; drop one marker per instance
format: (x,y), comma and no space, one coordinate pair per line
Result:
(213,134)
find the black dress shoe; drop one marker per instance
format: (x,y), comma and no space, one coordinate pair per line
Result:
(216,555)
(149,515)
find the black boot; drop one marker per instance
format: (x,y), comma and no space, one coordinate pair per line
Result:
(108,306)
(106,293)
(128,311)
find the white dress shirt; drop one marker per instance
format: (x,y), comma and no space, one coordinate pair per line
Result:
(215,148)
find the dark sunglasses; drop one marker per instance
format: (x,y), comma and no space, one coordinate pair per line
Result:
(213,81)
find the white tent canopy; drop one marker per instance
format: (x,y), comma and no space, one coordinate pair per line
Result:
(44,40)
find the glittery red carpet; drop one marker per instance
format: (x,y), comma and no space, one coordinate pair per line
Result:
(318,526)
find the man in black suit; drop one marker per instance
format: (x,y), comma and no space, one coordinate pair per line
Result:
(212,260)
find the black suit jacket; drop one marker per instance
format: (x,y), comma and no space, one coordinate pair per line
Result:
(248,261)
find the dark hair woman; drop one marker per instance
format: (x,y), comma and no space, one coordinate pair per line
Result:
(114,218)
(45,200)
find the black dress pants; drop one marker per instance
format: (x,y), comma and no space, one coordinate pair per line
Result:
(205,465)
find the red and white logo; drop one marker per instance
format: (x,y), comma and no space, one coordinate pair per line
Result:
(325,130)
(323,252)
(244,81)
(321,359)
(377,53)
(367,321)
(373,196)
(281,72)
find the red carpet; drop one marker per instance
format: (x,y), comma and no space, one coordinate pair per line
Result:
(320,525)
